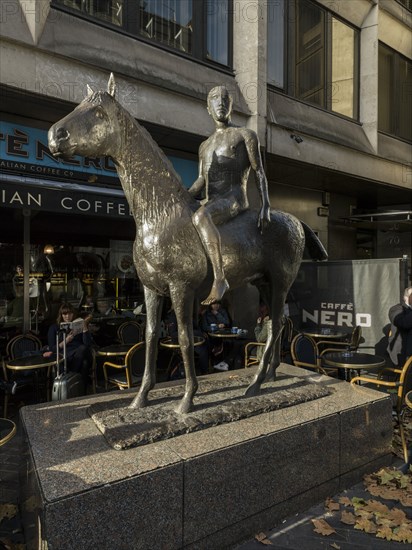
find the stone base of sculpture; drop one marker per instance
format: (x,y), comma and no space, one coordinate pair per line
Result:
(217,402)
(208,488)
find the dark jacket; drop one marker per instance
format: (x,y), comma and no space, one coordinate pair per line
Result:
(84,338)
(208,318)
(400,339)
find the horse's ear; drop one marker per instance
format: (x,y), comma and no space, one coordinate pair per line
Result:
(111,86)
(89,91)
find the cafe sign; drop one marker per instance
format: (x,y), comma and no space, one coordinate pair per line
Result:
(24,150)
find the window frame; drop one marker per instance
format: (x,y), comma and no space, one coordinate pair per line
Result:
(130,28)
(290,56)
(394,93)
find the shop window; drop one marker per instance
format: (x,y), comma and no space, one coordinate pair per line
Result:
(321,61)
(199,28)
(394,94)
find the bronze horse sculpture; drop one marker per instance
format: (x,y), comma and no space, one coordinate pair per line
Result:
(168,254)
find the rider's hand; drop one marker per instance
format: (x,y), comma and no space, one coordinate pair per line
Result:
(47,354)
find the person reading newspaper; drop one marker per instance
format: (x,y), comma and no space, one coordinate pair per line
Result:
(78,341)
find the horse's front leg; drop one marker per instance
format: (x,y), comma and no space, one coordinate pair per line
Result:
(154,304)
(182,300)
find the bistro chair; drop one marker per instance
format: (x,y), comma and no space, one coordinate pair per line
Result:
(398,386)
(305,353)
(21,344)
(130,332)
(351,344)
(17,347)
(128,374)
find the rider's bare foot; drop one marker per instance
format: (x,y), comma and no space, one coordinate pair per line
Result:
(219,287)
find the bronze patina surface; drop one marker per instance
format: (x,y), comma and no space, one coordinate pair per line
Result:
(169,256)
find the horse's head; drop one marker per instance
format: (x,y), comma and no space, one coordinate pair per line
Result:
(88,130)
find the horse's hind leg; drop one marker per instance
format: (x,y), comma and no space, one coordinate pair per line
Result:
(271,354)
(154,304)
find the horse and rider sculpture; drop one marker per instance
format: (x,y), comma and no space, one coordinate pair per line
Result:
(178,251)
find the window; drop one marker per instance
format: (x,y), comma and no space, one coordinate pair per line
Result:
(321,61)
(407,4)
(199,28)
(394,94)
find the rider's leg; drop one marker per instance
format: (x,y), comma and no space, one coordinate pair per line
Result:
(210,238)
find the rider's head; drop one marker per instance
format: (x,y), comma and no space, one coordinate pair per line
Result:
(219,104)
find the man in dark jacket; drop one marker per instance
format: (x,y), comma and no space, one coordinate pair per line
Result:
(400,339)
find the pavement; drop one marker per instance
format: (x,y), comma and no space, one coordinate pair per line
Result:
(294,533)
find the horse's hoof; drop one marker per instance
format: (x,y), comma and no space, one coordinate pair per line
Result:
(253,390)
(271,375)
(185,406)
(139,402)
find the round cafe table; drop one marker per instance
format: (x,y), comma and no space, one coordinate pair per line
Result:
(173,345)
(332,334)
(33,363)
(350,360)
(114,350)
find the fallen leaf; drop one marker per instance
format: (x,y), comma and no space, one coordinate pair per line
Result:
(322,527)
(331,505)
(358,502)
(384,533)
(346,501)
(7,511)
(376,506)
(334,545)
(348,518)
(365,514)
(406,500)
(261,537)
(366,525)
(397,515)
(403,534)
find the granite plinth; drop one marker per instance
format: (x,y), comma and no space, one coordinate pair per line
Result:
(217,402)
(205,489)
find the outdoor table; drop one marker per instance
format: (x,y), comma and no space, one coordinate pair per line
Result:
(33,363)
(114,350)
(7,430)
(172,344)
(349,360)
(325,334)
(229,340)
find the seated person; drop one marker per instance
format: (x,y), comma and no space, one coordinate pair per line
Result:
(217,315)
(78,346)
(227,354)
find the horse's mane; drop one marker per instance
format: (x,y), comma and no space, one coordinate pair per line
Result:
(150,144)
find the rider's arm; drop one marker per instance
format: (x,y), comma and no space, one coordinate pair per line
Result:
(252,147)
(199,183)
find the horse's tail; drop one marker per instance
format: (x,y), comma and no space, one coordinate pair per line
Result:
(315,247)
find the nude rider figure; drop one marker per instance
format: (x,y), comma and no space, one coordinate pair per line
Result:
(225,161)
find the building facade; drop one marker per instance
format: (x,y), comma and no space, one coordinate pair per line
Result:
(326,84)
